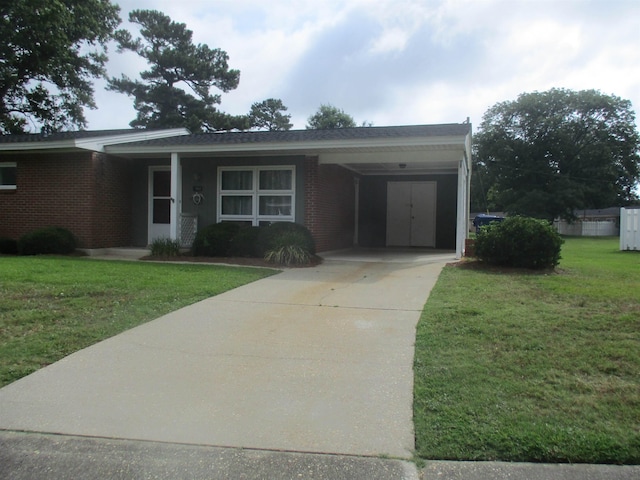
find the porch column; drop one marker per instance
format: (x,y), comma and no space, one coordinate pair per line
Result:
(356,230)
(176,197)
(463,207)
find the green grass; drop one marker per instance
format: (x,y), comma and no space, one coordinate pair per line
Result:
(53,306)
(520,366)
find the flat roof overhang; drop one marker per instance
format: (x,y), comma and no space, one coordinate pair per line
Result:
(412,155)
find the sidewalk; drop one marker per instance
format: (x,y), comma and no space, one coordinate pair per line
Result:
(26,456)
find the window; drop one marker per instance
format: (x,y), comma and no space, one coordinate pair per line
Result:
(256,194)
(8,175)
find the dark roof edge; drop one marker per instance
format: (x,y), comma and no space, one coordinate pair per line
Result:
(311,135)
(97,140)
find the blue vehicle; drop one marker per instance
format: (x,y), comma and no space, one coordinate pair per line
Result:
(484,219)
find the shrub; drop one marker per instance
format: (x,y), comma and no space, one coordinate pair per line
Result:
(285,233)
(215,240)
(165,247)
(245,242)
(519,242)
(8,246)
(48,240)
(287,243)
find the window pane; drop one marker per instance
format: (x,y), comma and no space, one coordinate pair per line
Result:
(162,184)
(275,179)
(8,176)
(236,205)
(237,180)
(161,210)
(275,205)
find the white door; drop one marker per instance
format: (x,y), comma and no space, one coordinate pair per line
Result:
(411,214)
(159,202)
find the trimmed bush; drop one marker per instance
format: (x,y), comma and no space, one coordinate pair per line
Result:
(286,243)
(520,242)
(165,247)
(245,242)
(215,240)
(8,246)
(48,240)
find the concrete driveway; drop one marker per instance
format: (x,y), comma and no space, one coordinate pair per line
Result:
(309,360)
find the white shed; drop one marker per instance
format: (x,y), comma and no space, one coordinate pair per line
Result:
(630,228)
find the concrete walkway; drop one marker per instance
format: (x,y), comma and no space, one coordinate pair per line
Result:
(310,360)
(306,374)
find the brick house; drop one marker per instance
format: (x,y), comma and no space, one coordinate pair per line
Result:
(404,186)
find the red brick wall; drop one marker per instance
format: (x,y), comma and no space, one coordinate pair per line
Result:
(112,210)
(329,205)
(83,192)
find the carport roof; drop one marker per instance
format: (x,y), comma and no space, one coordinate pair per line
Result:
(368,150)
(136,138)
(303,142)
(335,134)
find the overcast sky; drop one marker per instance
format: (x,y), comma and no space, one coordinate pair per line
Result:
(399,62)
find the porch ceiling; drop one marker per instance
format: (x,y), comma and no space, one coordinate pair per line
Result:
(432,159)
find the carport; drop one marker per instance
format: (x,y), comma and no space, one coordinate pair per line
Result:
(411,190)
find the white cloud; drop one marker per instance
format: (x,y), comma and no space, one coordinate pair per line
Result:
(402,61)
(394,39)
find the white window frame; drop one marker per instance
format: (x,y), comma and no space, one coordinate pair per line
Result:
(255,193)
(8,165)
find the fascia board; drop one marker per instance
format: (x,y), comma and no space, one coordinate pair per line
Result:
(26,146)
(96,144)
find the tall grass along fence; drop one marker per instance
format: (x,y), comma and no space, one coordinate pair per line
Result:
(630,229)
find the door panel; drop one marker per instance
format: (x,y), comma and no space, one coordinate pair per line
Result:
(398,214)
(411,214)
(159,202)
(423,214)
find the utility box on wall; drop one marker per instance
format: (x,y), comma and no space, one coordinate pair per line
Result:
(630,228)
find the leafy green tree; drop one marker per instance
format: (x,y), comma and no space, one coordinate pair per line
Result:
(269,115)
(49,54)
(176,90)
(482,190)
(329,116)
(547,154)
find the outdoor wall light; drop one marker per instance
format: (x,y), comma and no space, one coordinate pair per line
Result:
(402,165)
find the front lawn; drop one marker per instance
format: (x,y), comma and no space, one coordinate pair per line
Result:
(53,306)
(519,366)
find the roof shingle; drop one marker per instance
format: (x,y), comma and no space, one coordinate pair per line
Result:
(358,133)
